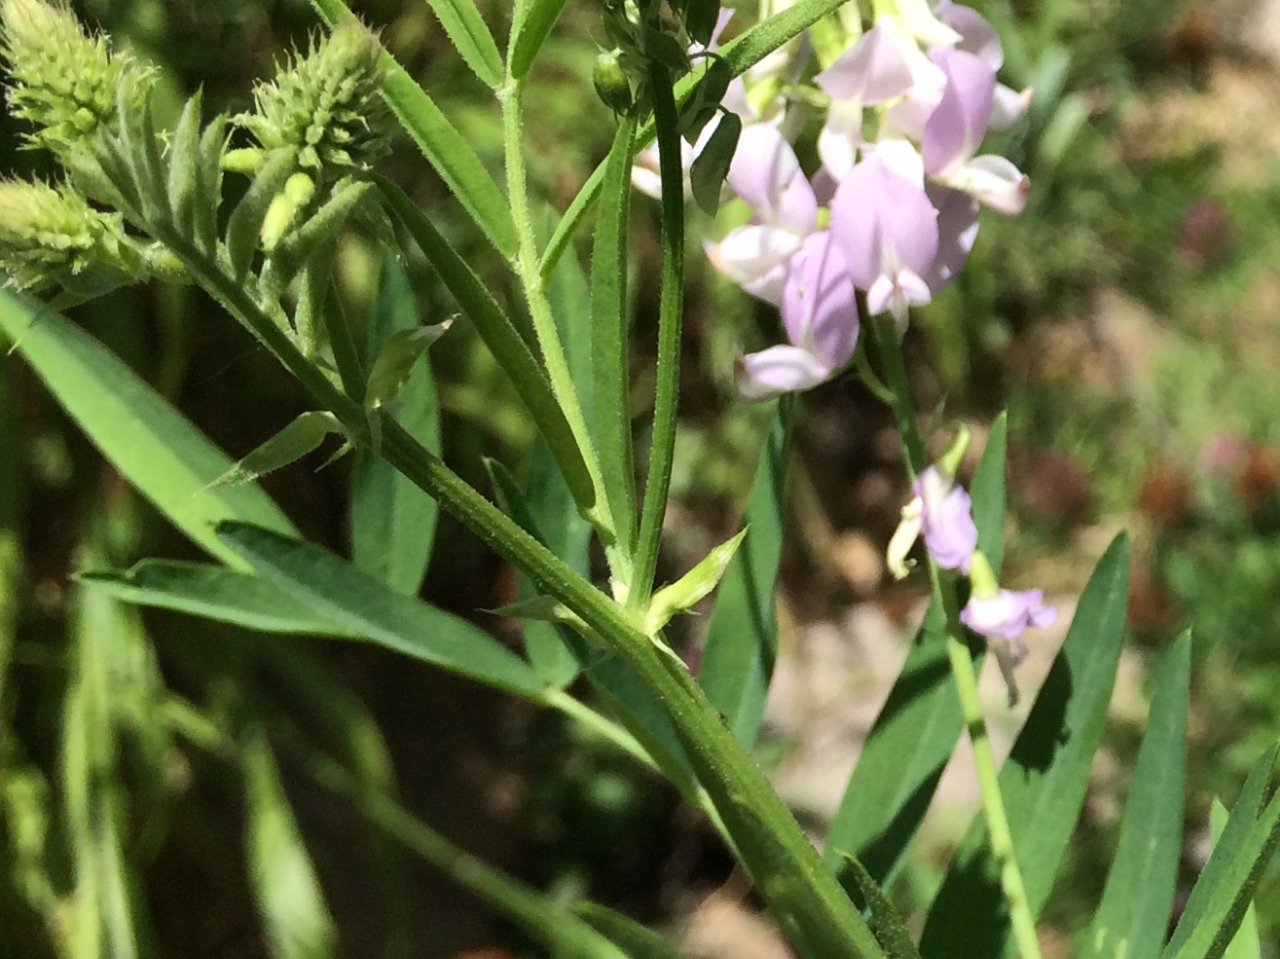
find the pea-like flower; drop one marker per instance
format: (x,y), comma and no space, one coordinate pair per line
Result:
(1002,616)
(942,511)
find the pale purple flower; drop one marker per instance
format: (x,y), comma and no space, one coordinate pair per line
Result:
(955,130)
(946,519)
(1007,614)
(820,314)
(888,232)
(766,173)
(978,37)
(957,233)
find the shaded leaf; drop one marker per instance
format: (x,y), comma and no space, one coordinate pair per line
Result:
(706,175)
(886,923)
(635,940)
(303,435)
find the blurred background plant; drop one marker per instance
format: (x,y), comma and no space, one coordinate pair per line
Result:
(156,771)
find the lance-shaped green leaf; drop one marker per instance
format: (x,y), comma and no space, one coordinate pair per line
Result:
(711,166)
(396,361)
(303,435)
(361,604)
(1245,944)
(471,38)
(635,940)
(1225,887)
(916,731)
(213,592)
(393,523)
(443,146)
(208,173)
(284,881)
(1133,917)
(703,102)
(530,25)
(184,168)
(691,588)
(886,923)
(153,445)
(503,340)
(700,19)
(742,636)
(610,338)
(1045,778)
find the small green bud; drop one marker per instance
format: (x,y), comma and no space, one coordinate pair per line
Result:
(611,83)
(248,160)
(326,104)
(50,236)
(64,81)
(285,207)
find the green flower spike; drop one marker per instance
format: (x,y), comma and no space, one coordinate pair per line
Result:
(63,81)
(50,236)
(326,104)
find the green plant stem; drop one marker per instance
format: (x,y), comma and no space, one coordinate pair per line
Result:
(670,324)
(544,324)
(889,345)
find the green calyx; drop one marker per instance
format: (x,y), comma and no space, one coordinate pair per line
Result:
(64,82)
(50,236)
(326,104)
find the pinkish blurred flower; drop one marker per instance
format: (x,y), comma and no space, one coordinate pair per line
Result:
(978,37)
(946,519)
(1008,613)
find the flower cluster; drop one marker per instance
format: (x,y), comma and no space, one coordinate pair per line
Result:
(942,512)
(893,211)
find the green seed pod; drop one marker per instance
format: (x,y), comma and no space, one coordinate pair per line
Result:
(64,82)
(50,236)
(326,104)
(611,83)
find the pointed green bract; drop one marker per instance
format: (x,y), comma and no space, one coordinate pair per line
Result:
(304,434)
(886,923)
(1044,780)
(1225,887)
(471,38)
(1133,917)
(691,588)
(360,604)
(916,731)
(742,636)
(213,592)
(153,445)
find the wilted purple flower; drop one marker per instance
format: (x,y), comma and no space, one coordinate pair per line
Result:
(888,232)
(1008,613)
(820,314)
(946,519)
(955,130)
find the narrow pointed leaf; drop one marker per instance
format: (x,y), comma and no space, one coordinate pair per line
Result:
(443,146)
(502,338)
(1045,778)
(360,604)
(184,165)
(393,523)
(916,731)
(693,587)
(153,445)
(284,881)
(742,636)
(471,38)
(1133,917)
(213,592)
(635,940)
(530,26)
(610,337)
(1225,887)
(1245,944)
(886,923)
(208,171)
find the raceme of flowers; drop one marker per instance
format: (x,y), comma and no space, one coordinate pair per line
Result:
(893,211)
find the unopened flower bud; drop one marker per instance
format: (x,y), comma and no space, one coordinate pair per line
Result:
(611,83)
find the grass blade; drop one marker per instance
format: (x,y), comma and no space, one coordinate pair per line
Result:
(443,146)
(742,637)
(1245,944)
(532,22)
(1222,893)
(1133,916)
(393,523)
(358,603)
(917,728)
(471,38)
(152,444)
(886,923)
(637,941)
(1044,780)
(213,592)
